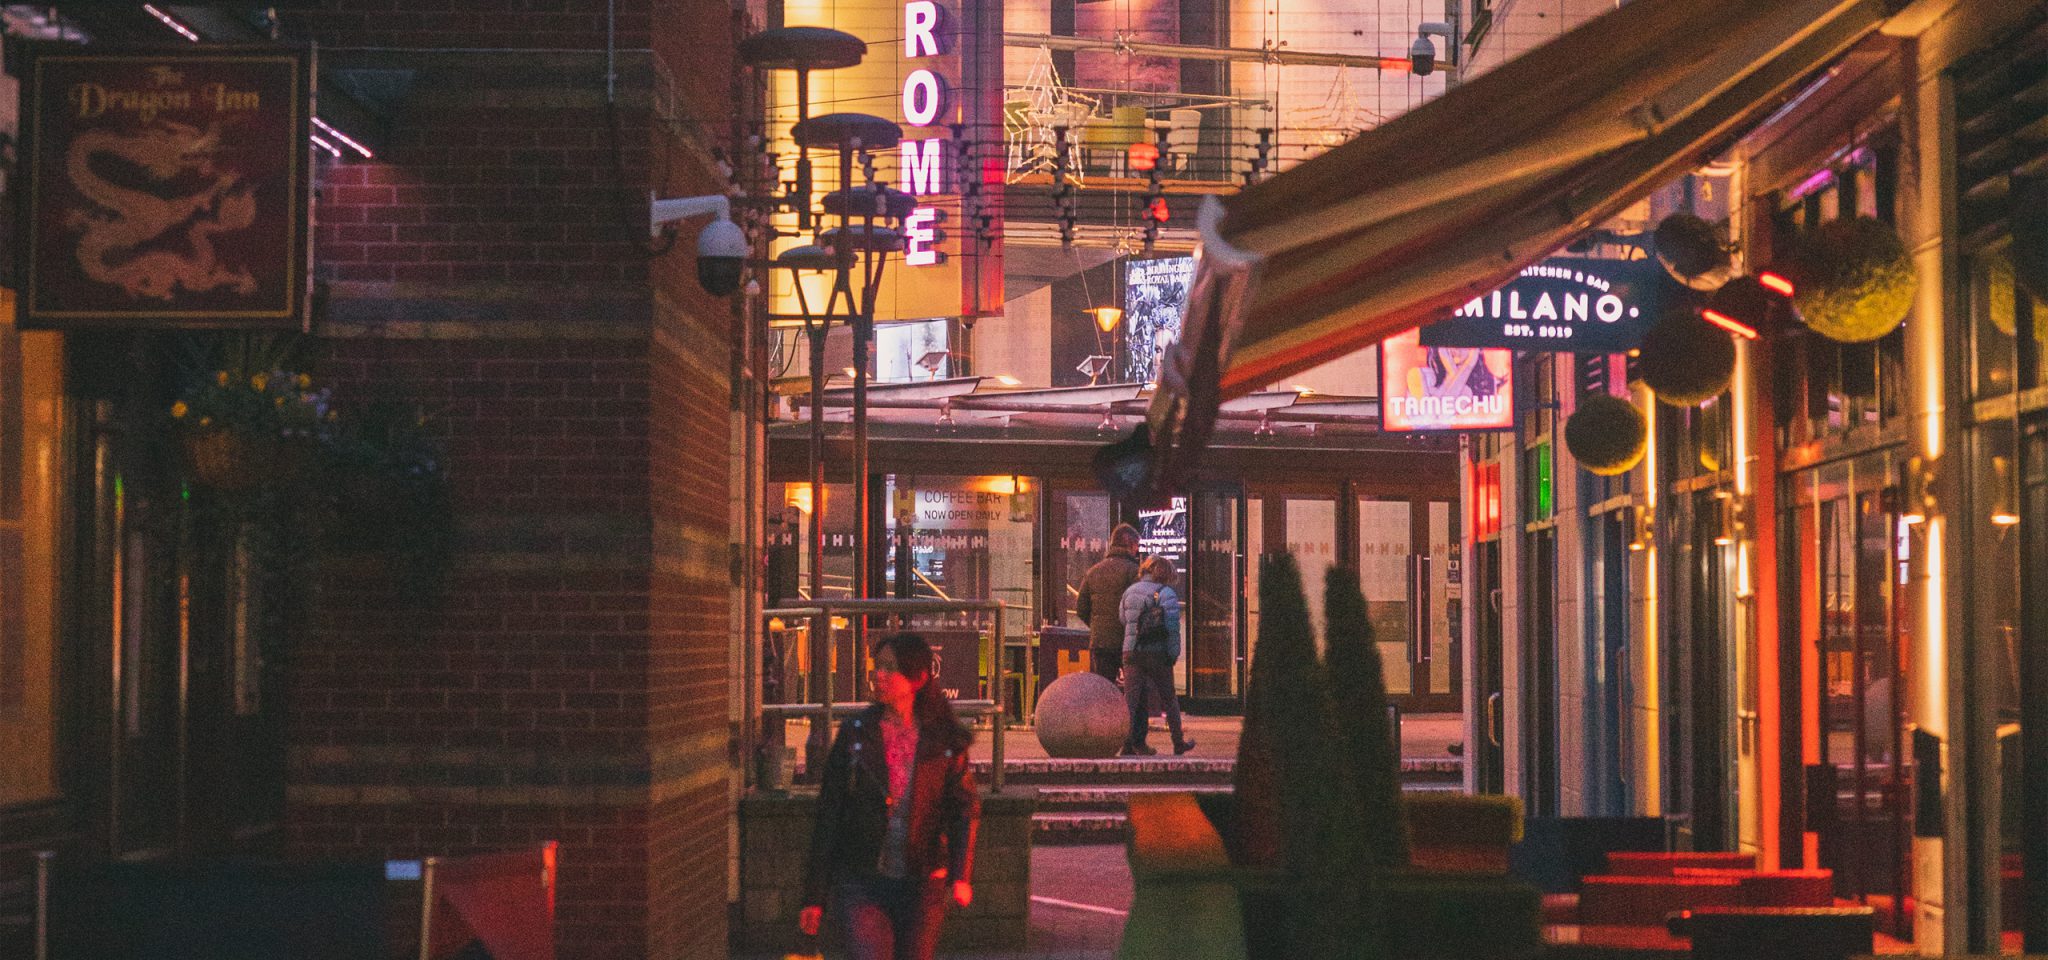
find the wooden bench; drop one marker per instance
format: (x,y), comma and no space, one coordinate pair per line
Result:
(1775,888)
(1606,900)
(1651,864)
(1777,933)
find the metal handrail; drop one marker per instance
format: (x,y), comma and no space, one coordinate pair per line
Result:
(821,613)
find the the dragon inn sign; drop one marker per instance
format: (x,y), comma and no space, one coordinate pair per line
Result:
(165,188)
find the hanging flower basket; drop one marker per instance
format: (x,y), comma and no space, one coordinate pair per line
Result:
(1686,360)
(230,461)
(1607,435)
(1855,282)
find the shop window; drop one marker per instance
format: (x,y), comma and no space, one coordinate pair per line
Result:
(1384,546)
(31,417)
(964,538)
(2000,309)
(1829,389)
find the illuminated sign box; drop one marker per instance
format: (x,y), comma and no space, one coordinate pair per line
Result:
(1562,305)
(1425,388)
(1155,292)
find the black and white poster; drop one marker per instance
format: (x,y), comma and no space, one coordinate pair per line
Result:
(1155,291)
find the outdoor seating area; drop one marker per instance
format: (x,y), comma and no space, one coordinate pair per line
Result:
(1712,905)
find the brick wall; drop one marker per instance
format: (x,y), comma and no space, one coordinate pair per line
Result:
(569,682)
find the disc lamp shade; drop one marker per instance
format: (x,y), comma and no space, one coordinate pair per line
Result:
(1691,251)
(1854,280)
(1606,435)
(1106,318)
(1685,359)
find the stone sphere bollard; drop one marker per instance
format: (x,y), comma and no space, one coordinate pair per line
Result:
(1082,715)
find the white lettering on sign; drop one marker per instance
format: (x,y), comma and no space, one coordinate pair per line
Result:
(919,237)
(924,103)
(923,169)
(920,29)
(1448,406)
(923,97)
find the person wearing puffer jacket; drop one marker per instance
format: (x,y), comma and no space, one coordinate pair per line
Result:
(1150,611)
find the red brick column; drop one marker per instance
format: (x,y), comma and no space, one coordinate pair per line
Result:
(569,682)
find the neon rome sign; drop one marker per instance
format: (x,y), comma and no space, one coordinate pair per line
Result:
(923,104)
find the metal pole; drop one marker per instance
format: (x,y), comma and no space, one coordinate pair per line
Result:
(427,907)
(43,858)
(863,334)
(816,743)
(995,772)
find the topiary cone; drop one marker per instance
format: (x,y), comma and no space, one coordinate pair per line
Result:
(1606,435)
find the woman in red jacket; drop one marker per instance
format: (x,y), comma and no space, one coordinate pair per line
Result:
(897,813)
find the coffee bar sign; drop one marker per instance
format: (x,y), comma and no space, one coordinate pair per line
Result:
(1562,305)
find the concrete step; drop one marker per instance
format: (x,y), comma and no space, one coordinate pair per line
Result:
(1100,799)
(1176,771)
(1096,814)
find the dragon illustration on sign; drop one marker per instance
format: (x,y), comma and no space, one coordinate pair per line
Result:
(147,243)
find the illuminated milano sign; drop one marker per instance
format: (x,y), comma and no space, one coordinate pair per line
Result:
(1562,305)
(924,104)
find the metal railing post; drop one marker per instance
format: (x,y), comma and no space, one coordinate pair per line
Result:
(427,866)
(1000,721)
(43,858)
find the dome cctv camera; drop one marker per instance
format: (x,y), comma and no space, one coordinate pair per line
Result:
(1422,56)
(721,245)
(721,255)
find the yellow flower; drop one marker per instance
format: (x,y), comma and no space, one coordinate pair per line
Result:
(204,421)
(179,409)
(280,401)
(305,381)
(220,377)
(260,382)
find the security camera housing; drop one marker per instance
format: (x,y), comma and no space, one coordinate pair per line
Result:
(721,245)
(1422,56)
(721,257)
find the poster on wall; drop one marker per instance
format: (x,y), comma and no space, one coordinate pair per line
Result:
(165,187)
(1155,292)
(1562,305)
(1444,388)
(1164,533)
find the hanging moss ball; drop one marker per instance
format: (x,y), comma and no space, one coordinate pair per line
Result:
(1855,282)
(1686,360)
(1690,249)
(2029,222)
(1607,435)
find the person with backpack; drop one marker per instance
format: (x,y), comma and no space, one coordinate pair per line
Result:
(1151,615)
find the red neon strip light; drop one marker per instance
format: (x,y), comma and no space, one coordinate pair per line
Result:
(1776,283)
(1730,324)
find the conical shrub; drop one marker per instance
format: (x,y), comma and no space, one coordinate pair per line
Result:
(1369,756)
(1286,755)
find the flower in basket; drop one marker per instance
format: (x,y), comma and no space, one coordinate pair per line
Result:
(243,432)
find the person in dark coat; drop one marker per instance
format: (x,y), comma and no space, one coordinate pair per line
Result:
(893,844)
(1102,589)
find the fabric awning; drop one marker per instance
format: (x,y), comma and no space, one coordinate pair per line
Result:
(1454,198)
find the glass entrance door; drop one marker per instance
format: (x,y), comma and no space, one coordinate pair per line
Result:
(1860,804)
